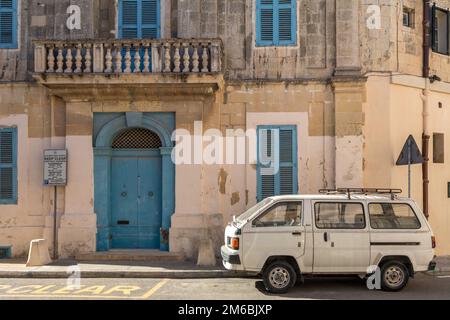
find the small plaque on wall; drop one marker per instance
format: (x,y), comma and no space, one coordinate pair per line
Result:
(55,167)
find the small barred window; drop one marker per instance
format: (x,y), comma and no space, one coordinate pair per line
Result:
(137,138)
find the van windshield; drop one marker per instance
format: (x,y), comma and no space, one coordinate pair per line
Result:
(247,214)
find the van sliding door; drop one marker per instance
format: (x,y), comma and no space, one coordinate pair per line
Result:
(341,238)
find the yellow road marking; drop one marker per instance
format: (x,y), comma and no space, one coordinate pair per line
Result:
(126,290)
(153,290)
(66,292)
(96,290)
(44,290)
(64,296)
(23,289)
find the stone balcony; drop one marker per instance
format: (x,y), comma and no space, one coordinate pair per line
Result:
(177,65)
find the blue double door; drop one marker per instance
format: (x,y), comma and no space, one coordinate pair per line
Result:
(136,203)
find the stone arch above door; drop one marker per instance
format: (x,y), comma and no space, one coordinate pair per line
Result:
(110,130)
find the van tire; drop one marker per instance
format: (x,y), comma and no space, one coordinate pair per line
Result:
(279,277)
(394,276)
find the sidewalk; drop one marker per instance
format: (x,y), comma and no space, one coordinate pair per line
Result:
(115,269)
(135,269)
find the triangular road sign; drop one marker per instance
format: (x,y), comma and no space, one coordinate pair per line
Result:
(412,149)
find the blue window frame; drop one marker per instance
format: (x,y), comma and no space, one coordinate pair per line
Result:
(277,167)
(8,166)
(276,22)
(8,24)
(139,19)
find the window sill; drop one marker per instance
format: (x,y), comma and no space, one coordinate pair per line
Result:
(8,203)
(9,47)
(294,45)
(441,54)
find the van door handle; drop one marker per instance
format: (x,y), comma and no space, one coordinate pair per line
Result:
(296,233)
(325,236)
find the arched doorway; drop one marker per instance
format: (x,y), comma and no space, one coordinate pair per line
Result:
(134,183)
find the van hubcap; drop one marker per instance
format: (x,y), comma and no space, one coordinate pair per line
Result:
(394,276)
(279,277)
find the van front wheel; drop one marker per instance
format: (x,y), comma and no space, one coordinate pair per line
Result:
(394,276)
(279,277)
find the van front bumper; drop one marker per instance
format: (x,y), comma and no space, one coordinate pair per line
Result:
(229,256)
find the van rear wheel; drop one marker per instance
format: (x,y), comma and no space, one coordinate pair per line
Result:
(279,277)
(394,276)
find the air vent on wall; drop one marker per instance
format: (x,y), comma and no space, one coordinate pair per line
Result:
(5,252)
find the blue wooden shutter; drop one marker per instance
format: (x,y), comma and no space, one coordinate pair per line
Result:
(276,22)
(8,24)
(265,22)
(139,19)
(266,182)
(8,166)
(287,22)
(150,19)
(287,176)
(281,140)
(128,20)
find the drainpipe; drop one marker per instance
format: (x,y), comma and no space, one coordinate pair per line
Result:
(425,101)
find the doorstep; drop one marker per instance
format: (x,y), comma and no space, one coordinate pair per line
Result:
(115,269)
(131,255)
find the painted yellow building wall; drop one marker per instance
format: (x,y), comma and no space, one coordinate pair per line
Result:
(390,118)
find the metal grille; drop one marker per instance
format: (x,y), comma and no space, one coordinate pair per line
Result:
(137,138)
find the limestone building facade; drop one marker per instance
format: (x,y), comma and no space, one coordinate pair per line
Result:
(340,82)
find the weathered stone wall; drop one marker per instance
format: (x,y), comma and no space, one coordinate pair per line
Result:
(229,189)
(232,20)
(270,85)
(313,56)
(394,47)
(207,196)
(310,106)
(326,34)
(379,46)
(26,107)
(46,19)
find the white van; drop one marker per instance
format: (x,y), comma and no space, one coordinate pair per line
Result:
(339,232)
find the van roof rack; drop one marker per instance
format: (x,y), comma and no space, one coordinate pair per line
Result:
(365,191)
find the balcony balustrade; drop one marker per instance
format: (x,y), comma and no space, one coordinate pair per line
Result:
(162,56)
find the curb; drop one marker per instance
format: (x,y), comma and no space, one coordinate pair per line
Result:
(125,274)
(440,270)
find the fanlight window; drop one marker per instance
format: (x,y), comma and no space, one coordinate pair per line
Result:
(137,138)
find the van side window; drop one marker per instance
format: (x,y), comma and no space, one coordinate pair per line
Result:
(393,216)
(339,215)
(286,214)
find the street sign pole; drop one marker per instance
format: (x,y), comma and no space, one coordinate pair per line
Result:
(55,220)
(55,175)
(409,169)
